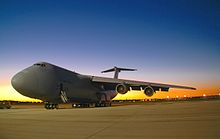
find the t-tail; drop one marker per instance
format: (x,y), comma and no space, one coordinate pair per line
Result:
(117,70)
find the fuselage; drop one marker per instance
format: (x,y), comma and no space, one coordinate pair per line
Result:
(47,82)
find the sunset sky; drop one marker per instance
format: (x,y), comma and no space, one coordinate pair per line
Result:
(168,41)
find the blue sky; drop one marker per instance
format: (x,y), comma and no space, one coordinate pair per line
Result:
(168,41)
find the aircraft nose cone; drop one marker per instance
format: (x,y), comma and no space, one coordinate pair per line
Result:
(17,82)
(24,83)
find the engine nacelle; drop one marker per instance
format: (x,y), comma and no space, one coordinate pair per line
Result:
(149,91)
(121,88)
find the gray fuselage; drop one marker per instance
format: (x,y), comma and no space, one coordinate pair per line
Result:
(45,81)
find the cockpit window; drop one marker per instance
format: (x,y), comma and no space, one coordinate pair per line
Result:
(42,65)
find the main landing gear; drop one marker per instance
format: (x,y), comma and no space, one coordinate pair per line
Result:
(91,105)
(83,105)
(103,104)
(50,106)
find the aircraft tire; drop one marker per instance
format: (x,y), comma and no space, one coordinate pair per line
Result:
(51,106)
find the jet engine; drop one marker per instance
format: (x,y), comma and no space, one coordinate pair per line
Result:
(149,91)
(122,88)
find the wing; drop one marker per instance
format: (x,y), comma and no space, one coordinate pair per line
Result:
(110,84)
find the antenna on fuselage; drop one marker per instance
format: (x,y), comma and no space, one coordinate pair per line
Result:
(117,70)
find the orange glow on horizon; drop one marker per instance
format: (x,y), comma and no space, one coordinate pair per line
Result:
(173,93)
(7,92)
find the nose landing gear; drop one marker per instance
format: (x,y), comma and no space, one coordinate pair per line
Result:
(50,106)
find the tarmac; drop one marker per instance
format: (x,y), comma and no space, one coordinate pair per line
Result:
(166,120)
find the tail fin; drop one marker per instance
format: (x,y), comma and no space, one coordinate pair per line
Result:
(117,70)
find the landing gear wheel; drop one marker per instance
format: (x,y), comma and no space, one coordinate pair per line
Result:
(50,106)
(103,104)
(83,105)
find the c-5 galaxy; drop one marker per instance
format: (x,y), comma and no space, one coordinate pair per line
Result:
(54,85)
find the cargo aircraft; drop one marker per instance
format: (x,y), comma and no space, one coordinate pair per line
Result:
(54,85)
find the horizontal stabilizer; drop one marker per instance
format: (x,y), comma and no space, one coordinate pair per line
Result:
(117,70)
